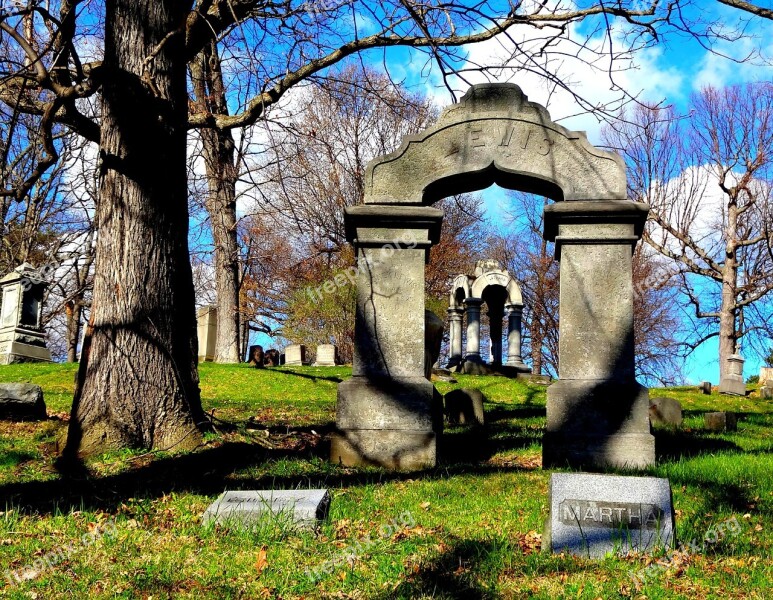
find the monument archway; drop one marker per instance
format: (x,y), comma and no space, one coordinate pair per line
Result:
(597,416)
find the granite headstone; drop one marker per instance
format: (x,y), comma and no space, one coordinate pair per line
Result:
(593,515)
(303,508)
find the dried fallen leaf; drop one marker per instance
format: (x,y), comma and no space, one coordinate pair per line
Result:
(425,505)
(262,562)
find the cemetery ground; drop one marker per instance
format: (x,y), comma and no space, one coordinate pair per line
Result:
(470,528)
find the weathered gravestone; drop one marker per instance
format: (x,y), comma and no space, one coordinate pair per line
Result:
(732,381)
(593,515)
(465,407)
(327,355)
(705,387)
(206,328)
(665,411)
(272,358)
(22,338)
(257,357)
(766,375)
(21,402)
(295,355)
(766,391)
(303,508)
(720,421)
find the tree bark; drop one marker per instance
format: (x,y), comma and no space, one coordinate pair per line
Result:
(728,333)
(219,152)
(73,311)
(138,381)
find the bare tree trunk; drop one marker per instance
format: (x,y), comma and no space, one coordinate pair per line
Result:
(219,152)
(138,383)
(73,311)
(728,333)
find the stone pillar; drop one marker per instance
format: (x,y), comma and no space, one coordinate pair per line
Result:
(473,330)
(597,413)
(455,319)
(388,414)
(733,383)
(514,320)
(495,316)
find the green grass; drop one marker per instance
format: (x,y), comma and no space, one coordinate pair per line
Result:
(476,518)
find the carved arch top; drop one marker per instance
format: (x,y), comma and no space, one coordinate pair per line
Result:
(495,135)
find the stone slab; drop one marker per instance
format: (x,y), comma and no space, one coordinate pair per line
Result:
(665,411)
(326,355)
(302,508)
(18,352)
(594,515)
(766,393)
(720,421)
(705,387)
(295,355)
(733,385)
(21,402)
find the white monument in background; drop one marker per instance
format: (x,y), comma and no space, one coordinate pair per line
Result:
(22,338)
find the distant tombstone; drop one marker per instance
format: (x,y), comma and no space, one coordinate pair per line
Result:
(594,515)
(720,421)
(21,402)
(326,355)
(766,392)
(22,338)
(282,358)
(295,355)
(206,327)
(766,375)
(256,357)
(465,407)
(302,508)
(272,358)
(705,387)
(665,411)
(732,382)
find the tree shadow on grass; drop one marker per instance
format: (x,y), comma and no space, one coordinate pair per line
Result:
(209,472)
(673,444)
(282,371)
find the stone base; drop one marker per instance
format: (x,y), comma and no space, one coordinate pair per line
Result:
(481,368)
(17,352)
(399,450)
(621,451)
(598,425)
(733,385)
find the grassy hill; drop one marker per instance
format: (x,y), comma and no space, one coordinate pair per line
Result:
(477,517)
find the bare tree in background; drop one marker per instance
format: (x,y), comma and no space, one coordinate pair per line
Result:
(708,178)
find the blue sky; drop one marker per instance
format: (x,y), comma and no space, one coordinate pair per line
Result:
(668,72)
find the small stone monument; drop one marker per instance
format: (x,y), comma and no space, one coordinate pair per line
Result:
(720,421)
(206,323)
(593,515)
(665,411)
(766,375)
(302,508)
(465,407)
(732,382)
(295,355)
(766,391)
(22,338)
(705,387)
(327,355)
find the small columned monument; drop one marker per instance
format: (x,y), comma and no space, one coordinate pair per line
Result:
(22,338)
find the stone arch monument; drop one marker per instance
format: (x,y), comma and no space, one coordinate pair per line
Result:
(597,416)
(502,294)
